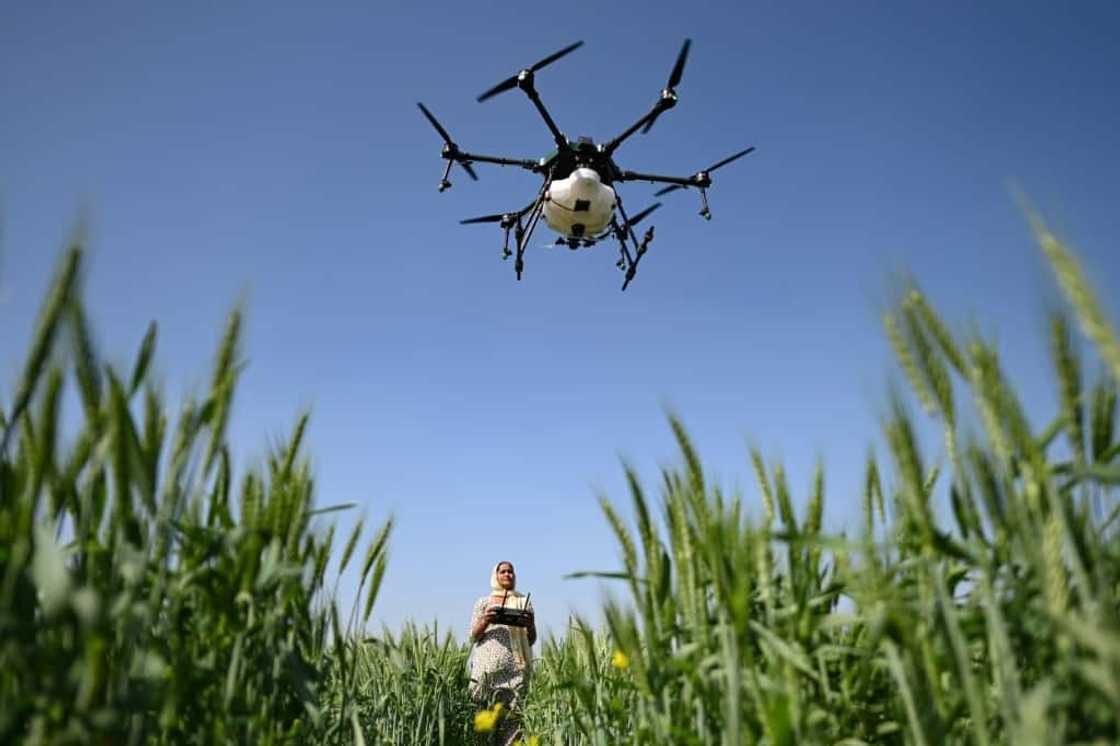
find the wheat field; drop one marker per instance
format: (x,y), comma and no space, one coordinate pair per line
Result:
(149,596)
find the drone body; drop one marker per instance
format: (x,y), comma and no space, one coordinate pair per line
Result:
(580,205)
(579,197)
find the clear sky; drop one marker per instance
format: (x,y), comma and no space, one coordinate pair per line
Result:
(274,151)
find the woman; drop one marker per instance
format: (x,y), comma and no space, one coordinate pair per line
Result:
(502,657)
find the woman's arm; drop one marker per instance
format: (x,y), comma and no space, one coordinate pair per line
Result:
(482,619)
(479,629)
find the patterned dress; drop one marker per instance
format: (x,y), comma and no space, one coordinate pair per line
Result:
(495,675)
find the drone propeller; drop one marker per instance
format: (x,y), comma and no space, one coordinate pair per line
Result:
(500,217)
(641,215)
(511,82)
(700,175)
(447,139)
(674,80)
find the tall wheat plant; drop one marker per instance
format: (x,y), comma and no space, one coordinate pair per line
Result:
(146,596)
(1000,626)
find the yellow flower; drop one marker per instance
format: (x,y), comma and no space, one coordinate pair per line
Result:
(533,741)
(620,660)
(485,720)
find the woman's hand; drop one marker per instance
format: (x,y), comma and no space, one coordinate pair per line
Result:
(484,622)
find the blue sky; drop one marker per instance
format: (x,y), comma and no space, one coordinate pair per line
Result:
(274,152)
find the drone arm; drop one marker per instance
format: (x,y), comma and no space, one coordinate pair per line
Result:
(477,158)
(525,80)
(683,181)
(531,91)
(666,101)
(653,113)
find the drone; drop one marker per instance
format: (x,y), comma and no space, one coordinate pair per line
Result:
(578,198)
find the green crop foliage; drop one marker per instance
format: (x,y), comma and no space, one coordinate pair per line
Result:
(146,597)
(1001,627)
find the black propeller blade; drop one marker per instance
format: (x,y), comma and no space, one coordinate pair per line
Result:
(674,79)
(728,159)
(485,219)
(511,82)
(447,139)
(641,215)
(439,128)
(678,68)
(708,170)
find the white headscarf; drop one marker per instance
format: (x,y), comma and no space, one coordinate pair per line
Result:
(512,599)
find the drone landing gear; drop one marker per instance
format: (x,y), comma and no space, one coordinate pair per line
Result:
(506,253)
(444,183)
(521,226)
(523,235)
(519,263)
(631,265)
(628,262)
(704,211)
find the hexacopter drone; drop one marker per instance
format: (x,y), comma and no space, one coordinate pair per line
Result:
(577,199)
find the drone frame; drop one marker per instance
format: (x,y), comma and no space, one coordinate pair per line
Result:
(570,156)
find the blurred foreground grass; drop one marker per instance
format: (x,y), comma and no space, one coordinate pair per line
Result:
(146,598)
